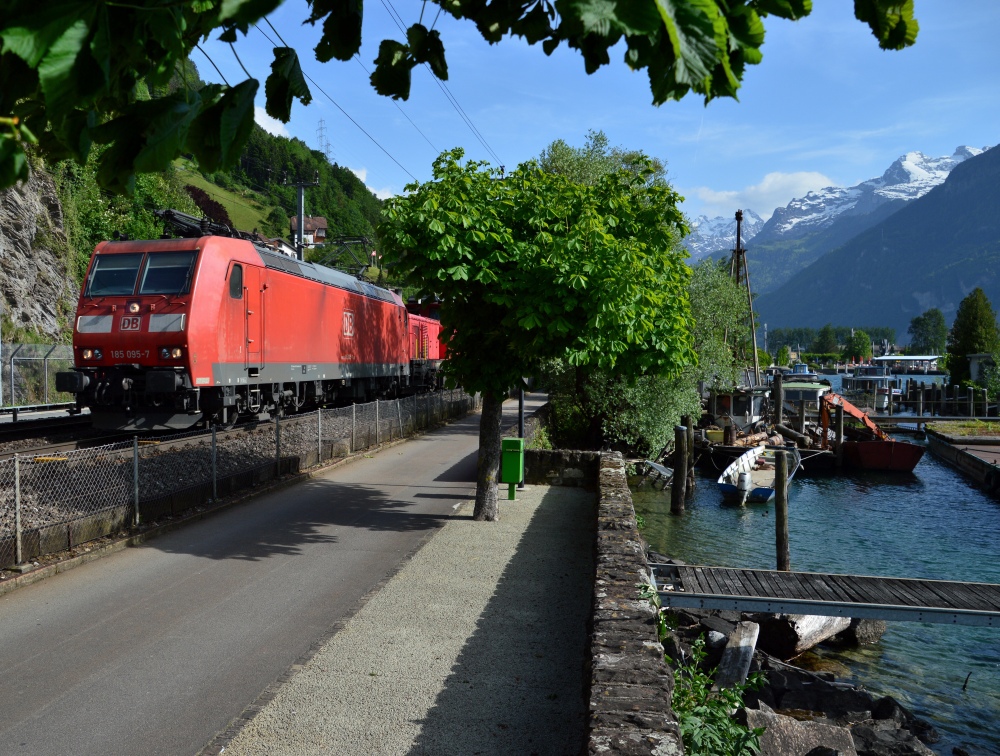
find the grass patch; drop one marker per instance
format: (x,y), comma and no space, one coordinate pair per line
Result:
(246,213)
(971,427)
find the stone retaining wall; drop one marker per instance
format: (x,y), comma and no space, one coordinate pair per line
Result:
(630,683)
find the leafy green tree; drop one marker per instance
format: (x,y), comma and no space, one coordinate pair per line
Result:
(69,76)
(826,340)
(599,409)
(534,267)
(585,165)
(784,358)
(858,347)
(928,333)
(973,332)
(91,215)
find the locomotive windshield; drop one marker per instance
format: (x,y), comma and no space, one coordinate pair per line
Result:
(114,275)
(168,273)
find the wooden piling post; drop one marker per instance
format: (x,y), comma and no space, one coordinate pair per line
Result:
(802,416)
(778,396)
(986,403)
(678,484)
(920,403)
(686,420)
(972,401)
(781,510)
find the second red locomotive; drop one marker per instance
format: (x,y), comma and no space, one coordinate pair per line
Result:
(171,332)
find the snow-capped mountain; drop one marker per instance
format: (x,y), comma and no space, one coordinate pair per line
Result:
(910,176)
(712,235)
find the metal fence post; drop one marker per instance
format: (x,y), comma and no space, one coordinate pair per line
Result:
(319,436)
(277,446)
(215,477)
(354,426)
(376,421)
(135,479)
(18,548)
(399,415)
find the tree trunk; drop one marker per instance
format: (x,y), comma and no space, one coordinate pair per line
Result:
(487,504)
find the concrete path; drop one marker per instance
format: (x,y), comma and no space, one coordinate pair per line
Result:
(157,649)
(475,647)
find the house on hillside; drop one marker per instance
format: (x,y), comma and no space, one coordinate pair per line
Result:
(314,231)
(280,246)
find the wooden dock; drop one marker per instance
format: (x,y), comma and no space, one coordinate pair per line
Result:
(856,596)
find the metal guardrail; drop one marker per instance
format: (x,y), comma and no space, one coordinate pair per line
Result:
(56,502)
(27,374)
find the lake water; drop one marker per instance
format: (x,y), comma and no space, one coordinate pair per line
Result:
(928,524)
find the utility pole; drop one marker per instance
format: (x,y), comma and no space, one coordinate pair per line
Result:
(741,275)
(301,186)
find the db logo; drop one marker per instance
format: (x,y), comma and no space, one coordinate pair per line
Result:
(131,324)
(348,324)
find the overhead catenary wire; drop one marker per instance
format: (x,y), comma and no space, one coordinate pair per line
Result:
(213,64)
(335,103)
(398,20)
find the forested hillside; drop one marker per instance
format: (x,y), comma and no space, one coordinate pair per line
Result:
(269,161)
(929,254)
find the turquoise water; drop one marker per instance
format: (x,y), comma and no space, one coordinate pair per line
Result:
(929,524)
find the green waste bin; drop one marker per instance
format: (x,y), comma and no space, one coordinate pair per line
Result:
(511,462)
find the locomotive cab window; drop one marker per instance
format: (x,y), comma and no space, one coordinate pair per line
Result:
(168,273)
(236,282)
(114,275)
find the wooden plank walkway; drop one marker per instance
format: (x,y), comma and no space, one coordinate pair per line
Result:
(858,596)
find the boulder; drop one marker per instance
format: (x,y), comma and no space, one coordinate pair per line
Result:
(785,735)
(788,635)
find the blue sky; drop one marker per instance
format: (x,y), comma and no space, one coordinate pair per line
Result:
(825,107)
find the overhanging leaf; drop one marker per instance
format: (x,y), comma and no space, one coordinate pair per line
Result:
(341,30)
(391,76)
(426,47)
(246,11)
(13,161)
(30,37)
(285,82)
(891,21)
(237,120)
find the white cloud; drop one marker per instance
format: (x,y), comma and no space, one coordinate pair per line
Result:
(270,125)
(362,173)
(776,190)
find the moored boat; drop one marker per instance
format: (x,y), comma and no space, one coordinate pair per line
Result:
(750,477)
(869,447)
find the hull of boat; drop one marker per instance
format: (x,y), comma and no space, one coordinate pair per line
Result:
(747,463)
(889,456)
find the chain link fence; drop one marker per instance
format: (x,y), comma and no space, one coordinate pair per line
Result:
(54,503)
(28,374)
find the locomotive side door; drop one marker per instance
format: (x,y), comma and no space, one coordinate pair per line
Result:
(253,299)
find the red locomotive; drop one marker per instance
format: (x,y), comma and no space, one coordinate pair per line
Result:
(174,331)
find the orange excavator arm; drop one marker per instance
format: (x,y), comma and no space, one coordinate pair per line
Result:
(836,400)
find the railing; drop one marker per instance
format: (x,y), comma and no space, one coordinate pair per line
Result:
(28,374)
(53,503)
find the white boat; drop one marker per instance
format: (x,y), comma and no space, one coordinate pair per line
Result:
(750,477)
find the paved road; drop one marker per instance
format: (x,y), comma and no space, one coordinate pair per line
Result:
(156,649)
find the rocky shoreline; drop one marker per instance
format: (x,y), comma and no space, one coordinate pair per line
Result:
(804,712)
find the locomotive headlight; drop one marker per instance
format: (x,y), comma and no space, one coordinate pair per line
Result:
(171,353)
(133,307)
(91,354)
(176,353)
